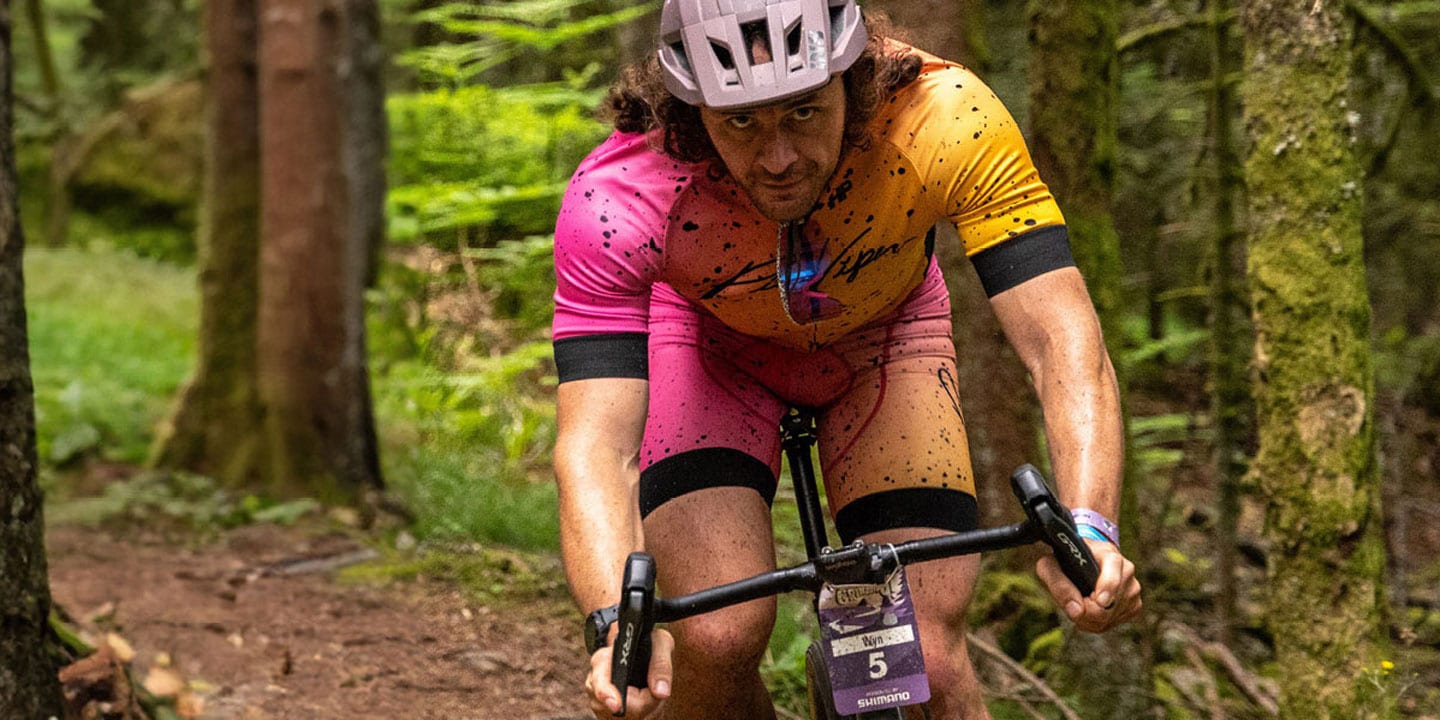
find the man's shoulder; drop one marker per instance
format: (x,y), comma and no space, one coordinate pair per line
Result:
(628,162)
(945,93)
(624,182)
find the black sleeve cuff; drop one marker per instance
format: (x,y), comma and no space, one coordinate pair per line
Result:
(1021,258)
(622,355)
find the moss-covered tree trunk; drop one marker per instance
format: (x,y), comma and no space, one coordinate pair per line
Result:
(44,56)
(322,137)
(1074,90)
(28,684)
(216,425)
(1230,338)
(1317,465)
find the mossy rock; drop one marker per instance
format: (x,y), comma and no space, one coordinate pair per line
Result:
(149,151)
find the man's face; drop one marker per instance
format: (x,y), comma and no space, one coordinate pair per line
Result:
(782,154)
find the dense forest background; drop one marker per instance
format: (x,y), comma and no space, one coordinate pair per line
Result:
(442,309)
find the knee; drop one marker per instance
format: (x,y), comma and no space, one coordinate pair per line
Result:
(733,638)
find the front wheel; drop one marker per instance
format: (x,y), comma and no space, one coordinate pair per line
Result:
(817,682)
(822,698)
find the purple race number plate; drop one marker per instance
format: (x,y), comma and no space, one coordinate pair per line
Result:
(872,646)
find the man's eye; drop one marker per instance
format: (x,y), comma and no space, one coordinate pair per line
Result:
(805,113)
(739,122)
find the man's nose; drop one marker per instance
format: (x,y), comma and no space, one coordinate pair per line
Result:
(777,155)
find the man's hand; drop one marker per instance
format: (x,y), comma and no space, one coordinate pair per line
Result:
(1116,599)
(640,703)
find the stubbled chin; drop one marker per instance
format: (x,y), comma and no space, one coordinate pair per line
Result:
(782,210)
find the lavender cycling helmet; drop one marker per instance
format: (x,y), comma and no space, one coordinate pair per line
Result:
(714,52)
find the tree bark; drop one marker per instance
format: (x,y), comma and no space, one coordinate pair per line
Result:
(1317,464)
(952,29)
(1074,90)
(322,132)
(216,425)
(29,687)
(1229,337)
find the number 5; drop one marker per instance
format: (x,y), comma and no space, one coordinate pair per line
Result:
(878,668)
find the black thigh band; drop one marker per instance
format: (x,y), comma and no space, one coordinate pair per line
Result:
(699,469)
(939,508)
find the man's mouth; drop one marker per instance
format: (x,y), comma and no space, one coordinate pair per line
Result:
(782,186)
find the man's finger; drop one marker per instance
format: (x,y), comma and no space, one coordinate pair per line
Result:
(1112,566)
(662,647)
(1066,596)
(604,698)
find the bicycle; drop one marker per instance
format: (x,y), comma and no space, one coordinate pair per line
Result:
(861,571)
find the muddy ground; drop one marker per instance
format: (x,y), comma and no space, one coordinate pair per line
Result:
(257,624)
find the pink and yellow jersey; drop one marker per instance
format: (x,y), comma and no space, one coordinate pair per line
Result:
(635,223)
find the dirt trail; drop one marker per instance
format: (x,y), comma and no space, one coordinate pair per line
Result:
(266,645)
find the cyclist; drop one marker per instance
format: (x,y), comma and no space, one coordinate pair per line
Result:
(756,234)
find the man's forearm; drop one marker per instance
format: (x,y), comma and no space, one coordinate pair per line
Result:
(1081,402)
(597,449)
(599,527)
(1052,325)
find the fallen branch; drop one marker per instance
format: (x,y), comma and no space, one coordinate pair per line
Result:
(312,565)
(1212,695)
(1217,653)
(1019,670)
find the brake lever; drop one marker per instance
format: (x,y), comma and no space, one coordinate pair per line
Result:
(630,662)
(1057,528)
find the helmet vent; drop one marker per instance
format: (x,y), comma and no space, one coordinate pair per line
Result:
(837,23)
(722,55)
(681,57)
(757,42)
(792,40)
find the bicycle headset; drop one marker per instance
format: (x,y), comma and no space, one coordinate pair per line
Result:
(707,48)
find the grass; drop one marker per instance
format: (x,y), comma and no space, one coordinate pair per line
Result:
(112,337)
(458,497)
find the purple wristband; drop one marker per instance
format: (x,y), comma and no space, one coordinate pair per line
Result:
(1090,518)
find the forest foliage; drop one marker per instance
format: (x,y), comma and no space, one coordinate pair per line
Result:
(492,104)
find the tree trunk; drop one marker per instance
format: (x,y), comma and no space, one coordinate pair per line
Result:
(29,687)
(1229,338)
(322,132)
(1317,465)
(49,77)
(996,394)
(1074,86)
(634,40)
(216,425)
(952,29)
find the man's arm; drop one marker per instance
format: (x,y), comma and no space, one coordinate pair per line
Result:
(597,466)
(1052,325)
(597,451)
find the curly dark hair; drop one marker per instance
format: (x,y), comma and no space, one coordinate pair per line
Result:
(639,102)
